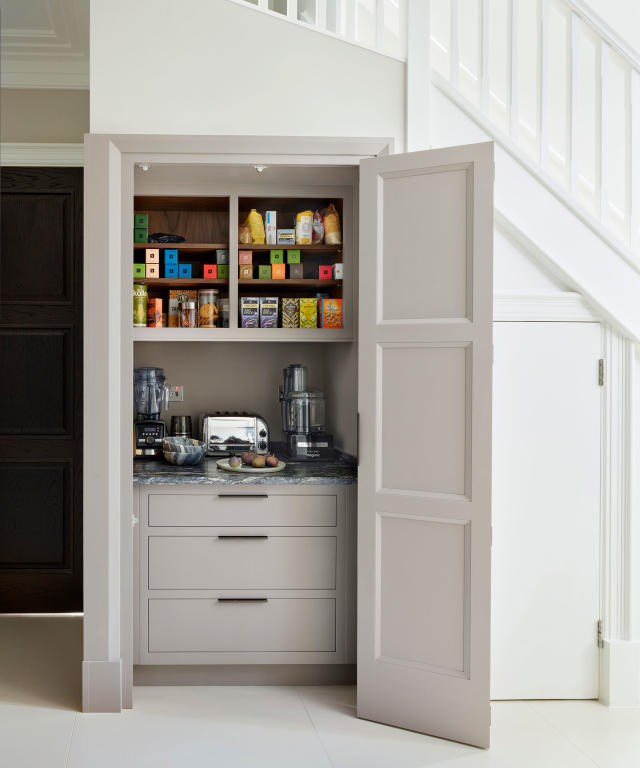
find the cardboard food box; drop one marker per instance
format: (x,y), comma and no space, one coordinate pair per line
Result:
(154,313)
(276,256)
(290,313)
(141,220)
(264,271)
(338,271)
(139,270)
(330,311)
(222,255)
(223,271)
(245,257)
(245,271)
(140,235)
(293,256)
(176,295)
(170,255)
(287,236)
(210,270)
(269,312)
(296,271)
(278,272)
(152,255)
(171,270)
(249,311)
(308,313)
(152,270)
(325,272)
(270,226)
(184,270)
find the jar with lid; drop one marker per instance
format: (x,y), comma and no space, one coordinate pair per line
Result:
(224,312)
(188,317)
(208,308)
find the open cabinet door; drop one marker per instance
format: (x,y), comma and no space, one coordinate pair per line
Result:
(424,486)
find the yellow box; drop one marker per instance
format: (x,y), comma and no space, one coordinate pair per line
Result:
(308,313)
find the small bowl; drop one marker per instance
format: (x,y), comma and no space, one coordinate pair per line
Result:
(182,445)
(180,459)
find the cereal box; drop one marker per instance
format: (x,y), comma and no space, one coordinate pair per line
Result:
(154,313)
(308,313)
(290,313)
(269,312)
(249,311)
(330,311)
(176,295)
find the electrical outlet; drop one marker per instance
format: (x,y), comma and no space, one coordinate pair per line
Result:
(176,393)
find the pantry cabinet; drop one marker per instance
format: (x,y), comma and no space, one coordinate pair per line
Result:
(408,382)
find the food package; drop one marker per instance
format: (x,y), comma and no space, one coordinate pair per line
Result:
(254,220)
(244,234)
(338,271)
(304,228)
(308,313)
(245,257)
(249,311)
(318,228)
(154,313)
(278,272)
(140,298)
(245,271)
(330,313)
(270,221)
(332,235)
(222,255)
(176,295)
(324,272)
(287,236)
(290,313)
(296,271)
(269,312)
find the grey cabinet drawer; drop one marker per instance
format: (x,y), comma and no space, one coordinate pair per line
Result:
(276,625)
(253,509)
(242,562)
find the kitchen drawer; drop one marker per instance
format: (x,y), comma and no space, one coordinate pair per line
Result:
(251,509)
(275,625)
(242,562)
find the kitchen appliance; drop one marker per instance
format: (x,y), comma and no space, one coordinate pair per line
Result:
(181,426)
(303,416)
(151,395)
(231,433)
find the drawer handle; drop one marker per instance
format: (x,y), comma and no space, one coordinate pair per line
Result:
(243,599)
(227,538)
(243,495)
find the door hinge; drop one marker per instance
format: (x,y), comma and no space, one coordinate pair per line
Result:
(601,372)
(600,637)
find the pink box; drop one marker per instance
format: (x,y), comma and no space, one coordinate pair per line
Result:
(245,257)
(153,270)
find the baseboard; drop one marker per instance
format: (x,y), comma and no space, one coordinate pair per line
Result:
(620,673)
(102,686)
(245,674)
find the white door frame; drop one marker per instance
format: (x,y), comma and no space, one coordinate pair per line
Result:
(108,363)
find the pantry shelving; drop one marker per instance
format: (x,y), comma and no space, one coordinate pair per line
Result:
(183,282)
(191,247)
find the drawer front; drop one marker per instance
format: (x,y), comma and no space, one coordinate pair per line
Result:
(276,625)
(238,510)
(242,562)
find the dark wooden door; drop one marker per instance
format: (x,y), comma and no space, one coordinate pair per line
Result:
(41,390)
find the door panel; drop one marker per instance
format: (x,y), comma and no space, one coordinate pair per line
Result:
(424,486)
(41,390)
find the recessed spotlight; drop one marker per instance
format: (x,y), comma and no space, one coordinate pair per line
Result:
(144,166)
(259,168)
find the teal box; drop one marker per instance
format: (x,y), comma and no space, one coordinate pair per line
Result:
(139,270)
(170,256)
(276,256)
(140,235)
(184,270)
(293,256)
(222,255)
(264,271)
(223,271)
(171,270)
(141,220)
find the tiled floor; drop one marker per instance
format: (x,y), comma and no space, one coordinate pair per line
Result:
(247,727)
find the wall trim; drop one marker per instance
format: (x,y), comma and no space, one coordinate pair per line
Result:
(620,673)
(102,686)
(542,307)
(19,153)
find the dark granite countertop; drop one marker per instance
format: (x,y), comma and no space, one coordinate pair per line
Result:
(339,471)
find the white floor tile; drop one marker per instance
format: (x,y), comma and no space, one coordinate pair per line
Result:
(34,737)
(611,737)
(199,726)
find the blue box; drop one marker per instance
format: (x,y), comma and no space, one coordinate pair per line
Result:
(171,270)
(184,270)
(170,256)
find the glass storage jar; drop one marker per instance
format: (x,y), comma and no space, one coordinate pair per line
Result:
(188,317)
(208,308)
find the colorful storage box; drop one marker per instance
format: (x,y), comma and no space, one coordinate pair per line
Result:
(245,257)
(293,256)
(139,270)
(171,270)
(245,271)
(184,270)
(269,312)
(278,271)
(140,235)
(249,312)
(308,313)
(338,271)
(325,272)
(170,256)
(152,270)
(152,255)
(264,271)
(296,271)
(222,255)
(290,313)
(276,256)
(154,313)
(330,313)
(210,270)
(141,220)
(223,271)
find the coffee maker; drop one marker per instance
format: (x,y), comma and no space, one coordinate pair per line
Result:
(303,417)
(151,395)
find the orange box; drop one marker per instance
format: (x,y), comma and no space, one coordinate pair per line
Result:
(210,270)
(152,270)
(245,257)
(245,271)
(154,313)
(278,272)
(330,314)
(152,255)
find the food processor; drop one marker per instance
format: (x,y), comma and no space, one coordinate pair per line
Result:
(151,395)
(303,416)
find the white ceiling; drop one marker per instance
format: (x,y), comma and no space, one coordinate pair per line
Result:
(44,43)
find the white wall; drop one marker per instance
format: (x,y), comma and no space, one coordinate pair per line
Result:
(212,66)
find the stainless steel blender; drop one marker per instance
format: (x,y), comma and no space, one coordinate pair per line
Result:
(151,396)
(303,416)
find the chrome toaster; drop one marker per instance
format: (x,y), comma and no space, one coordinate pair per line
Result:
(226,434)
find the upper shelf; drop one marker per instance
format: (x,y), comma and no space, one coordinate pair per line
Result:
(242,334)
(287,246)
(193,247)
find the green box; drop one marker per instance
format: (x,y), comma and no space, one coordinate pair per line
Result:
(140,235)
(223,271)
(141,220)
(276,256)
(139,270)
(293,256)
(264,271)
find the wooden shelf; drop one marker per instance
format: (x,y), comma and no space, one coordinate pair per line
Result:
(181,282)
(242,334)
(193,247)
(291,283)
(287,246)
